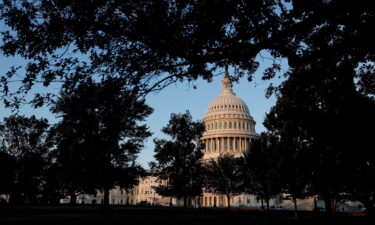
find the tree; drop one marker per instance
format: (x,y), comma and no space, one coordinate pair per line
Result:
(146,39)
(155,43)
(225,176)
(261,173)
(179,160)
(315,109)
(25,145)
(7,172)
(294,176)
(100,136)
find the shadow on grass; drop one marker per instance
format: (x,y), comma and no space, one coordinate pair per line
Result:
(87,214)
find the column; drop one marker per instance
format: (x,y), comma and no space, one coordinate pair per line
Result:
(220,147)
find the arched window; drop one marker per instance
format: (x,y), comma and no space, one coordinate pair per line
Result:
(215,126)
(230,125)
(239,125)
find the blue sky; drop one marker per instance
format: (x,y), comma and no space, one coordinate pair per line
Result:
(181,97)
(176,98)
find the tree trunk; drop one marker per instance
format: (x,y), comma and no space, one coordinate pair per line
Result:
(73,198)
(370,209)
(328,202)
(268,203)
(228,199)
(295,208)
(185,202)
(106,198)
(315,204)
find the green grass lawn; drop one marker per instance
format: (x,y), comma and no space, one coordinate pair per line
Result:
(82,215)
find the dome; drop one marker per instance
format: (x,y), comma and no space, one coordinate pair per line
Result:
(229,127)
(227,103)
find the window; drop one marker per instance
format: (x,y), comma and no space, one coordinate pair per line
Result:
(234,125)
(230,125)
(225,125)
(239,125)
(215,126)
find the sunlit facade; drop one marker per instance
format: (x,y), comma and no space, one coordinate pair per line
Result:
(229,130)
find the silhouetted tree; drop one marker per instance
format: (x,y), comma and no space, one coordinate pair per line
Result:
(179,160)
(159,42)
(7,172)
(261,173)
(25,144)
(100,136)
(225,176)
(314,113)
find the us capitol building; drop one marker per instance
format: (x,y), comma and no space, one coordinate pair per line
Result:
(229,130)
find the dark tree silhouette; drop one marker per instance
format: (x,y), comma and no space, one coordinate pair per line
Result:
(7,171)
(179,160)
(261,174)
(315,114)
(156,43)
(24,142)
(225,176)
(100,136)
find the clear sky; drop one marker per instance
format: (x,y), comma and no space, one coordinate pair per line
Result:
(177,98)
(181,97)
